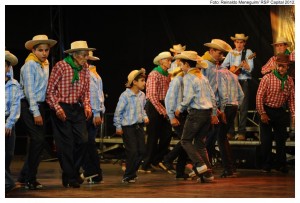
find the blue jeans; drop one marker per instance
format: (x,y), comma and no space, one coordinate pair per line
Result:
(196,128)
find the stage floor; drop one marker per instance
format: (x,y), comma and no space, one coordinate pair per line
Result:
(248,184)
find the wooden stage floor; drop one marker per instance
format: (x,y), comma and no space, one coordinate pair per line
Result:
(248,184)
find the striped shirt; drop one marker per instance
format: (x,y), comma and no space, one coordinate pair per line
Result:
(156,89)
(96,95)
(174,96)
(269,93)
(13,94)
(34,81)
(61,88)
(130,109)
(230,90)
(234,58)
(197,94)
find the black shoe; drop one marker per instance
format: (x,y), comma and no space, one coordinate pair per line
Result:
(227,174)
(183,177)
(34,185)
(74,185)
(283,169)
(208,177)
(128,180)
(167,166)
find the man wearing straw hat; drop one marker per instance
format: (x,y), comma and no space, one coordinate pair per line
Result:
(68,96)
(34,80)
(176,49)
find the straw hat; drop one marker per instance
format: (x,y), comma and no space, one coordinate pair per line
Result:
(133,74)
(177,48)
(79,46)
(162,55)
(11,58)
(239,36)
(39,39)
(193,56)
(93,58)
(282,40)
(219,45)
(283,59)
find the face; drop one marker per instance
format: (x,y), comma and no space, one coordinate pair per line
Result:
(165,63)
(239,44)
(184,66)
(280,48)
(41,52)
(282,69)
(80,57)
(7,69)
(216,54)
(140,83)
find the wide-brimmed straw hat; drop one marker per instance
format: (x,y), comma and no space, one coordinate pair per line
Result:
(239,36)
(193,56)
(12,59)
(178,48)
(283,59)
(282,40)
(79,46)
(162,55)
(133,74)
(219,45)
(92,57)
(39,39)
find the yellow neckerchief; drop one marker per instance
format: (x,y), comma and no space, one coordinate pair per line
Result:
(93,70)
(208,57)
(196,72)
(33,57)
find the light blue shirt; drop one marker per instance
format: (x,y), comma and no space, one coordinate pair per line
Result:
(96,95)
(34,81)
(234,57)
(174,96)
(12,102)
(197,94)
(130,109)
(230,90)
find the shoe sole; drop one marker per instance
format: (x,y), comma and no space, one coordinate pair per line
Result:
(143,171)
(166,169)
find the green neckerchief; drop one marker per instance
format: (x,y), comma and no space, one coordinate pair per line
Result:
(283,79)
(161,71)
(287,52)
(76,69)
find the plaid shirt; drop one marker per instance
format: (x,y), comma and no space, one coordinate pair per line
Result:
(270,93)
(156,89)
(267,67)
(61,88)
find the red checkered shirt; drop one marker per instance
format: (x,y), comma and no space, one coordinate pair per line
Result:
(270,93)
(267,67)
(156,89)
(61,89)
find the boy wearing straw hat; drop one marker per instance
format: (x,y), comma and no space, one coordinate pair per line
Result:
(176,49)
(129,119)
(34,80)
(91,164)
(241,57)
(275,89)
(68,96)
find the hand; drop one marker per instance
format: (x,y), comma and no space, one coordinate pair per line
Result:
(146,121)
(88,113)
(246,65)
(38,120)
(264,118)
(61,115)
(97,121)
(102,120)
(223,117)
(7,132)
(214,120)
(177,113)
(119,132)
(174,122)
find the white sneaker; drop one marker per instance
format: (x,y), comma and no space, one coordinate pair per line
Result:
(201,169)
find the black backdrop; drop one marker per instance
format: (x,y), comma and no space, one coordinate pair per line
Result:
(129,37)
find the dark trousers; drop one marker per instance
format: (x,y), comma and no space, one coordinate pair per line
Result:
(196,128)
(9,149)
(9,182)
(211,139)
(71,140)
(224,146)
(134,143)
(37,140)
(158,129)
(278,122)
(91,164)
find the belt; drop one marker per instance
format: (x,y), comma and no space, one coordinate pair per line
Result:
(71,105)
(202,110)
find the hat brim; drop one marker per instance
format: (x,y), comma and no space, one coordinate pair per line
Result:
(79,49)
(128,84)
(215,46)
(288,43)
(235,38)
(93,58)
(157,58)
(31,43)
(12,59)
(202,64)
